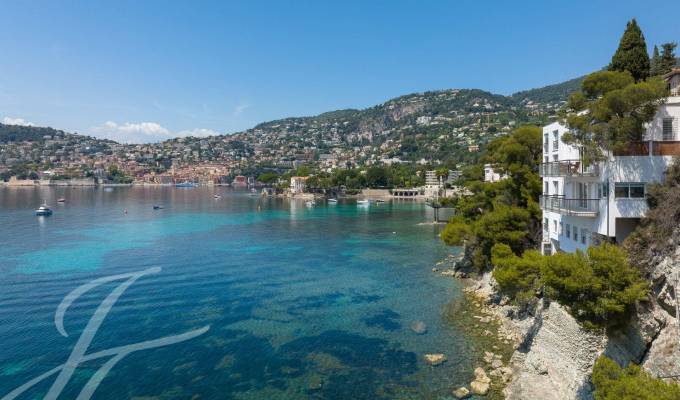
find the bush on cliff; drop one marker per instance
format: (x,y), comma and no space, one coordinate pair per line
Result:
(599,287)
(517,277)
(612,382)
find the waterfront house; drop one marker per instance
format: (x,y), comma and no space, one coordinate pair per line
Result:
(297,184)
(585,205)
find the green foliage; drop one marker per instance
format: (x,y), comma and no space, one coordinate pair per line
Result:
(654,62)
(507,211)
(517,277)
(668,60)
(600,288)
(612,382)
(20,133)
(303,170)
(632,54)
(377,177)
(268,178)
(456,232)
(611,111)
(115,175)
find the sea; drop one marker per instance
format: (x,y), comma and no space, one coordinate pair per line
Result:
(220,294)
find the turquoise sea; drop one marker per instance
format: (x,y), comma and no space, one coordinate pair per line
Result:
(301,303)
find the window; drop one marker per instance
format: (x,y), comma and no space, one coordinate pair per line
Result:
(575,234)
(556,187)
(545,188)
(547,249)
(554,226)
(556,140)
(624,190)
(545,224)
(545,143)
(568,231)
(584,236)
(555,156)
(668,129)
(561,232)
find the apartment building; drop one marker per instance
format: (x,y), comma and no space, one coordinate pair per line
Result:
(586,205)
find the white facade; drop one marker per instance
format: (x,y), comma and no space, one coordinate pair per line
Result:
(490,175)
(298,184)
(605,201)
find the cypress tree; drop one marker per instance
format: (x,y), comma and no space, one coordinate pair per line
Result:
(654,62)
(667,61)
(632,53)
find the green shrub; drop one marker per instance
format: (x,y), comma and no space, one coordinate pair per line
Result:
(600,288)
(612,382)
(517,277)
(455,232)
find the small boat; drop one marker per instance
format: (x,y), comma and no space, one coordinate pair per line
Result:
(108,189)
(380,201)
(61,200)
(217,196)
(362,202)
(332,201)
(157,207)
(186,184)
(310,203)
(43,210)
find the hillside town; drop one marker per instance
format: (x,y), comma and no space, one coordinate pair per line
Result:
(446,128)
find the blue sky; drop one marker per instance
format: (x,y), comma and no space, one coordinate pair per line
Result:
(147,70)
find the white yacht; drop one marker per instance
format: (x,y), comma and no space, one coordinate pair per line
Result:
(43,210)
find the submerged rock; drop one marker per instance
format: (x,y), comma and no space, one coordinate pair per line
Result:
(419,327)
(461,393)
(435,359)
(481,388)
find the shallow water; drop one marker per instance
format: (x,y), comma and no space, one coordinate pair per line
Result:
(300,302)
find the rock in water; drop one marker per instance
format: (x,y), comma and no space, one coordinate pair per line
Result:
(461,393)
(480,375)
(481,388)
(435,359)
(419,327)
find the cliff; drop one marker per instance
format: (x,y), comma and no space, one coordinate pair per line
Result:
(554,354)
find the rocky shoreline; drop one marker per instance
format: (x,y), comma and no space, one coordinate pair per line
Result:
(543,352)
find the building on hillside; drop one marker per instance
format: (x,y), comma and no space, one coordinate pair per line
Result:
(240,181)
(433,184)
(298,184)
(490,175)
(585,205)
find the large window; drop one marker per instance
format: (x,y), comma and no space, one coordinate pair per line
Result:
(623,190)
(556,140)
(668,129)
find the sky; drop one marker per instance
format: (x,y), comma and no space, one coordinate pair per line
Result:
(144,71)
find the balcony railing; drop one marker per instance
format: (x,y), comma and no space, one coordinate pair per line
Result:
(569,168)
(576,207)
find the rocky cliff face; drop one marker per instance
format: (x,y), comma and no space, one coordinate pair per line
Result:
(555,355)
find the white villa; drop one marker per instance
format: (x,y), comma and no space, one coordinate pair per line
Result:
(604,201)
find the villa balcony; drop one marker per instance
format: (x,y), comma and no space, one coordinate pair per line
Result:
(575,207)
(568,168)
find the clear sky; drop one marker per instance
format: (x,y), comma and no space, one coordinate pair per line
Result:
(146,70)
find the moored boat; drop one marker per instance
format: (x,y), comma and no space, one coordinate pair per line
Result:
(43,210)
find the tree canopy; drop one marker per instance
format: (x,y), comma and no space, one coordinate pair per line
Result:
(631,54)
(611,382)
(611,110)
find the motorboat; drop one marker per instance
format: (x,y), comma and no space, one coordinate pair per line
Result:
(362,202)
(157,207)
(61,200)
(380,201)
(310,203)
(43,210)
(217,196)
(185,184)
(333,201)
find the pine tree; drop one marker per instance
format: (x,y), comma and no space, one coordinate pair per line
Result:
(667,61)
(632,54)
(654,62)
